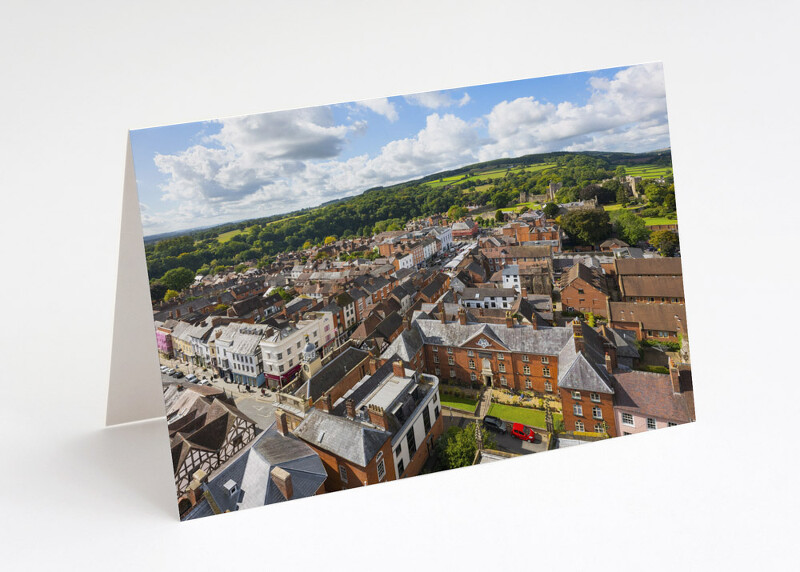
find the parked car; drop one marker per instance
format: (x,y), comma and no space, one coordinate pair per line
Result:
(191,378)
(519,431)
(178,374)
(171,372)
(494,424)
(164,369)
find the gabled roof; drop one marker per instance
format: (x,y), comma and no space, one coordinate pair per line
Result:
(652,395)
(251,471)
(524,339)
(591,276)
(405,346)
(345,438)
(333,372)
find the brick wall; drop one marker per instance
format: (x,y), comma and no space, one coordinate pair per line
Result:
(582,296)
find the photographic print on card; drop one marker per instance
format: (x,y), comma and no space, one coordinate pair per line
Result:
(356,293)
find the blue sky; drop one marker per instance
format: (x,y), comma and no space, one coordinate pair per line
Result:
(212,172)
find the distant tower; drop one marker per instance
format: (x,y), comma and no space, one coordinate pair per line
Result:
(311,360)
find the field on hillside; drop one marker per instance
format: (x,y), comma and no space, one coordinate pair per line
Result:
(493,174)
(648,171)
(226,236)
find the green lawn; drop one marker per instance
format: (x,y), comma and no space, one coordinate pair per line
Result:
(532,417)
(531,206)
(650,221)
(462,403)
(647,171)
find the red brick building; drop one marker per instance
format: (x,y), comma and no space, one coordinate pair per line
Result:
(585,289)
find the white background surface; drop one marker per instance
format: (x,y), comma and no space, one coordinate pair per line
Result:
(74,76)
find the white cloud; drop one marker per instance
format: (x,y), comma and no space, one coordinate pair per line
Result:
(278,162)
(381,106)
(624,113)
(436,99)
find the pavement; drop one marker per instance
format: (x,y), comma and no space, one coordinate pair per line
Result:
(260,409)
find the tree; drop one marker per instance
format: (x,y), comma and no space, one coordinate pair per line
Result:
(283,294)
(587,226)
(499,216)
(524,209)
(330,240)
(307,244)
(178,278)
(631,228)
(665,241)
(550,210)
(221,307)
(622,195)
(457,446)
(157,291)
(170,294)
(619,171)
(456,212)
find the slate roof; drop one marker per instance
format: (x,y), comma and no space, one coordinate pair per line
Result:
(524,339)
(250,471)
(246,338)
(333,372)
(434,286)
(297,304)
(343,437)
(405,346)
(651,395)
(388,326)
(481,293)
(623,340)
(585,370)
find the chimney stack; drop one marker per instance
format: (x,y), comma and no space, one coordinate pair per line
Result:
(523,292)
(373,366)
(350,408)
(577,334)
(442,315)
(283,480)
(177,312)
(377,416)
(327,406)
(509,320)
(462,316)
(398,369)
(282,423)
(609,365)
(674,376)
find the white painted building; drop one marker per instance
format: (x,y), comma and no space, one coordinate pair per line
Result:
(488,297)
(281,349)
